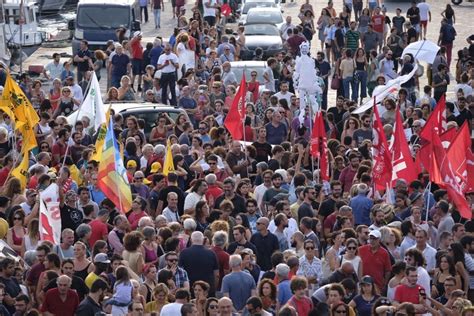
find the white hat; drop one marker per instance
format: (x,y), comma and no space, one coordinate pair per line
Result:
(375,233)
(137,33)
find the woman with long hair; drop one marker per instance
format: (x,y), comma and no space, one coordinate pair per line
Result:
(350,126)
(444,268)
(391,240)
(267,292)
(351,255)
(202,214)
(456,251)
(360,74)
(31,239)
(17,231)
(449,15)
(13,191)
(55,94)
(149,284)
(211,307)
(323,21)
(81,263)
(159,133)
(363,302)
(201,291)
(333,254)
(149,246)
(160,298)
(132,253)
(112,95)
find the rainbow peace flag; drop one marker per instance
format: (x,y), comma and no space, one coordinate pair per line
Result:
(112,173)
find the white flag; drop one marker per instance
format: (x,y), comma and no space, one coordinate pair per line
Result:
(380,92)
(92,106)
(50,214)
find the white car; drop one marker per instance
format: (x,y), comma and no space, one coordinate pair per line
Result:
(265,16)
(250,4)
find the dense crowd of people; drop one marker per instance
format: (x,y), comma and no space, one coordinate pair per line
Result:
(241,228)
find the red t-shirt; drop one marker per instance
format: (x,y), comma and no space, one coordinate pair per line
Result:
(377,22)
(137,49)
(302,306)
(4,175)
(404,293)
(212,193)
(54,304)
(133,218)
(99,229)
(223,261)
(60,150)
(375,264)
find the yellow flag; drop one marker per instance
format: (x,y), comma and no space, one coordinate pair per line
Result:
(19,104)
(99,143)
(21,171)
(28,138)
(168,164)
(6,109)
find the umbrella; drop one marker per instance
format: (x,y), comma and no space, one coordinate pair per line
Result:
(422,50)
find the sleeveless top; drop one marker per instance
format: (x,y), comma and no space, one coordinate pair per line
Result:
(150,254)
(156,133)
(17,240)
(29,245)
(360,66)
(82,273)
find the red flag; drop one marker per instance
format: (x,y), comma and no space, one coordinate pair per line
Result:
(436,121)
(447,137)
(470,172)
(319,148)
(457,154)
(382,170)
(403,166)
(234,121)
(448,178)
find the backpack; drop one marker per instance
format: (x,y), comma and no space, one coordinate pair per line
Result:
(449,34)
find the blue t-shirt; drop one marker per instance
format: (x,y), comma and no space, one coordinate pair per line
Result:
(239,285)
(362,306)
(120,63)
(284,292)
(155,54)
(276,135)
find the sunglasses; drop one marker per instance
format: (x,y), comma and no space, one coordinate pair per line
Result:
(309,248)
(213,306)
(17,218)
(351,248)
(139,178)
(172,260)
(44,147)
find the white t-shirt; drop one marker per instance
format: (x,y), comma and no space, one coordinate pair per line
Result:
(287,96)
(424,10)
(192,199)
(209,11)
(171,309)
(168,68)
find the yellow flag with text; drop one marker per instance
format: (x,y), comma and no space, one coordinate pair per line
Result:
(168,165)
(21,171)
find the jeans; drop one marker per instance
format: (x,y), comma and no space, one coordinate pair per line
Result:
(145,10)
(157,14)
(168,80)
(362,83)
(346,82)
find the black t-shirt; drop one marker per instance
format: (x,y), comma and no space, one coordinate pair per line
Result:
(88,307)
(237,201)
(200,263)
(414,12)
(84,65)
(266,246)
(12,288)
(327,207)
(233,246)
(70,217)
(305,210)
(263,151)
(163,196)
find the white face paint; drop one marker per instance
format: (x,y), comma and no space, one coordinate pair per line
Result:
(304,48)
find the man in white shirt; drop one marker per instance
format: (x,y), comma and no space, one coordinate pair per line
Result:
(209,9)
(284,93)
(171,211)
(429,253)
(285,27)
(173,309)
(54,69)
(425,15)
(168,63)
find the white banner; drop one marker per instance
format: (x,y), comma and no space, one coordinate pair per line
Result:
(50,214)
(92,106)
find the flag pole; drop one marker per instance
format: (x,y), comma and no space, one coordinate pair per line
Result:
(308,103)
(427,190)
(243,108)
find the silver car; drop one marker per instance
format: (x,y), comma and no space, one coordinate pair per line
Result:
(265,36)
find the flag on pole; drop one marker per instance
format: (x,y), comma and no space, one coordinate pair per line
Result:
(93,105)
(436,121)
(319,148)
(99,143)
(234,121)
(168,165)
(447,137)
(402,162)
(457,155)
(19,105)
(382,169)
(447,178)
(112,174)
(50,215)
(21,171)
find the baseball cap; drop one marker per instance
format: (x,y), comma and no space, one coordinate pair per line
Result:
(131,164)
(367,279)
(155,167)
(137,33)
(101,258)
(375,233)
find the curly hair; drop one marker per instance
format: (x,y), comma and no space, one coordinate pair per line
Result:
(219,225)
(132,241)
(273,292)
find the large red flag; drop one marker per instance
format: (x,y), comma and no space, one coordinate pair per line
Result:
(234,121)
(447,177)
(319,148)
(436,121)
(403,166)
(447,137)
(470,172)
(457,154)
(382,169)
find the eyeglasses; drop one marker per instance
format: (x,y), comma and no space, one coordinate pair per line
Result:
(341,311)
(18,218)
(351,248)
(139,178)
(213,306)
(385,302)
(254,75)
(44,147)
(66,91)
(212,163)
(309,248)
(448,285)
(259,223)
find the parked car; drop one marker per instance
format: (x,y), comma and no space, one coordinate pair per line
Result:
(250,4)
(265,36)
(141,110)
(265,16)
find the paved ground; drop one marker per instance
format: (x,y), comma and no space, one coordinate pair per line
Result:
(464,22)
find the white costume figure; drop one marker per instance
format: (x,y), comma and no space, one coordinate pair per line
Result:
(306,81)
